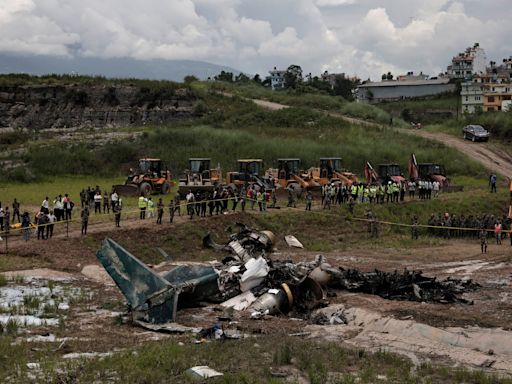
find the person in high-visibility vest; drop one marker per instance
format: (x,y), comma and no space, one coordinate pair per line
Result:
(142,206)
(151,207)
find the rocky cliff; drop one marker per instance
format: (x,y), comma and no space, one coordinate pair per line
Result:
(58,106)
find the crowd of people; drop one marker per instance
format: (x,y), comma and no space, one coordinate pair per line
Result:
(220,200)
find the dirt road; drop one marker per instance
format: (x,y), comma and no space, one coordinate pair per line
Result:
(492,158)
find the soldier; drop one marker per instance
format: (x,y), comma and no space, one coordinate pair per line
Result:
(309,200)
(414,227)
(106,203)
(85,219)
(483,240)
(15,211)
(172,209)
(351,204)
(374,226)
(117,213)
(160,211)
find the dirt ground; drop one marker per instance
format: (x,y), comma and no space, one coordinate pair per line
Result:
(97,325)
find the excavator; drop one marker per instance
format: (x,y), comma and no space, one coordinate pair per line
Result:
(249,172)
(330,171)
(288,174)
(199,177)
(386,173)
(151,176)
(427,171)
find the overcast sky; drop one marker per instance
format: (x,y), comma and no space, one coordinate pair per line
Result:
(363,37)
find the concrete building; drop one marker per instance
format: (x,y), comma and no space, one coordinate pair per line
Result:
(392,90)
(410,76)
(277,78)
(497,96)
(468,63)
(472,97)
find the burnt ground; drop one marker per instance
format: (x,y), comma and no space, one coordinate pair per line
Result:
(98,325)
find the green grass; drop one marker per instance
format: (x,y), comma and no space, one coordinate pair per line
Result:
(431,110)
(240,361)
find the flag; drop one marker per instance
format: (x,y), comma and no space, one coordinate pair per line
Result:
(370,173)
(413,167)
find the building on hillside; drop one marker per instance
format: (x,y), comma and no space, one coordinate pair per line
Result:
(468,63)
(277,78)
(497,96)
(392,90)
(472,97)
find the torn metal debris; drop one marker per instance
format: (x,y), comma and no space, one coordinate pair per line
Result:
(250,280)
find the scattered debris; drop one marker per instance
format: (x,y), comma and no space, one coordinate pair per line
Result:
(202,372)
(293,242)
(249,279)
(168,327)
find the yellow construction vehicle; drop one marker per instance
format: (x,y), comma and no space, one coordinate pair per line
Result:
(151,176)
(200,177)
(288,174)
(330,171)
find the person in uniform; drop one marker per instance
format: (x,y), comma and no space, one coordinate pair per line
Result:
(483,240)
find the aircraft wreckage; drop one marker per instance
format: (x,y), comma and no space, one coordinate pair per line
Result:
(248,278)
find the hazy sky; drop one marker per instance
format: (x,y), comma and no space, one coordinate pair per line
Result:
(363,37)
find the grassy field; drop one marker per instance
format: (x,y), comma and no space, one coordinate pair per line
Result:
(244,361)
(426,111)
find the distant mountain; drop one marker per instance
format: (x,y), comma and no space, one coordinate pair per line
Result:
(120,68)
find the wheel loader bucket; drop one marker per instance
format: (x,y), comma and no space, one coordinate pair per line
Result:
(126,189)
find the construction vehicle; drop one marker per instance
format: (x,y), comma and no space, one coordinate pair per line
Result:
(199,177)
(249,172)
(427,171)
(288,174)
(151,176)
(387,173)
(330,171)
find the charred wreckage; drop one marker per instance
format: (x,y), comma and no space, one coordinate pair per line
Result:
(248,279)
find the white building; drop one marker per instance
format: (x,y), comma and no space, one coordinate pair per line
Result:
(392,90)
(468,63)
(472,97)
(277,78)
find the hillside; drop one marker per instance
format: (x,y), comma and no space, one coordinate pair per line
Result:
(174,70)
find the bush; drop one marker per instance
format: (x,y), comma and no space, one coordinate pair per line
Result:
(366,111)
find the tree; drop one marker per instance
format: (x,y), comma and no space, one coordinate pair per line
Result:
(389,76)
(256,79)
(242,78)
(293,76)
(190,79)
(343,86)
(224,76)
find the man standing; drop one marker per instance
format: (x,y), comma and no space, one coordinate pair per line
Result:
(492,182)
(97,202)
(497,232)
(160,211)
(106,203)
(309,200)
(16,210)
(68,206)
(142,206)
(117,213)
(414,227)
(85,219)
(151,207)
(190,203)
(114,198)
(45,205)
(483,240)
(49,227)
(171,211)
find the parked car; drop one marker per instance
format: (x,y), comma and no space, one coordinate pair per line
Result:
(475,133)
